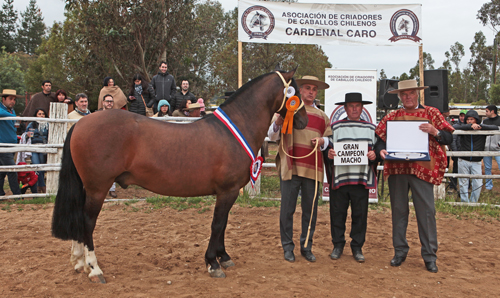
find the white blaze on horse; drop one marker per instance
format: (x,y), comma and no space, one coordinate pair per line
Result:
(94,158)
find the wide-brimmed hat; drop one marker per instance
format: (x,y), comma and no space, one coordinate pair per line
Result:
(313,81)
(193,106)
(8,92)
(353,97)
(407,85)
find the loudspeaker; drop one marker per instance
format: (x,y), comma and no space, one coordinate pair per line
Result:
(437,93)
(386,100)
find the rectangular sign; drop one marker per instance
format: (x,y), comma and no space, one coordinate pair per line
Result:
(344,81)
(331,24)
(350,153)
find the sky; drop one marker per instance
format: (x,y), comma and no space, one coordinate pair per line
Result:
(444,23)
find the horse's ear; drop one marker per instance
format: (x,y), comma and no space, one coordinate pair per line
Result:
(290,74)
(277,67)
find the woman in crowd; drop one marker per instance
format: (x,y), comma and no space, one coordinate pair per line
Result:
(181,112)
(163,109)
(63,97)
(39,133)
(115,91)
(141,94)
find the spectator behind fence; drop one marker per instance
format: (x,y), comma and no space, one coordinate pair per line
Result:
(163,109)
(202,104)
(27,180)
(471,164)
(40,100)
(109,87)
(140,95)
(39,133)
(108,104)
(8,135)
(182,112)
(82,103)
(63,97)
(193,110)
(492,143)
(164,86)
(181,95)
(455,146)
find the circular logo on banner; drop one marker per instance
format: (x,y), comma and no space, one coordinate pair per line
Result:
(404,24)
(339,114)
(258,21)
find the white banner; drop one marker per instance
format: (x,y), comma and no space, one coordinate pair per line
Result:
(344,81)
(332,24)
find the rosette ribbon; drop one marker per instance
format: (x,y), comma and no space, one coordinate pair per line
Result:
(292,104)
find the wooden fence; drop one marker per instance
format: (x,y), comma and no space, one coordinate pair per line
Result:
(57,133)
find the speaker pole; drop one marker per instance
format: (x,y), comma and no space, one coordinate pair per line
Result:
(421,70)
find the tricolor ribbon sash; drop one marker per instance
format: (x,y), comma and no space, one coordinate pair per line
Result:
(256,166)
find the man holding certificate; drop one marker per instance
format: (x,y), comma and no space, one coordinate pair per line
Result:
(419,175)
(353,176)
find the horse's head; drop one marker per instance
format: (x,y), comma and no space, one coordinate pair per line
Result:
(300,118)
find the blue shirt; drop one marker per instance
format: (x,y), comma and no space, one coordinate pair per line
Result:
(7,128)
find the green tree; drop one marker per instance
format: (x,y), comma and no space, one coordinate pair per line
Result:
(494,94)
(428,64)
(11,76)
(8,19)
(382,75)
(481,58)
(489,14)
(32,29)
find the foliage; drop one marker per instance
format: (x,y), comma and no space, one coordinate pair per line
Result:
(494,94)
(12,76)
(489,14)
(8,19)
(382,75)
(32,29)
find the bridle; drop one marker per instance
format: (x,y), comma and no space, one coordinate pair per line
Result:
(284,96)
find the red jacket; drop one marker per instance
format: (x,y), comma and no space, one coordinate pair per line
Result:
(27,177)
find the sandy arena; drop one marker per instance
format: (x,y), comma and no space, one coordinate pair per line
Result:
(160,253)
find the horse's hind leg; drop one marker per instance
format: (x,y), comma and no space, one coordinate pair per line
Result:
(92,209)
(216,248)
(77,258)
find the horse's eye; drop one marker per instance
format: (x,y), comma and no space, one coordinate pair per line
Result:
(289,92)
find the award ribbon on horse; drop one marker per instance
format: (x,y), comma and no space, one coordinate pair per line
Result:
(292,104)
(256,166)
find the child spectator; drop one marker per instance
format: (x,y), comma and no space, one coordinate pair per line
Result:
(27,180)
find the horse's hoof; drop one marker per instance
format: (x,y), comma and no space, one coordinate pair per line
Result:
(98,279)
(217,273)
(227,264)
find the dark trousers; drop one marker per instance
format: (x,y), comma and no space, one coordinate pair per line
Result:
(34,189)
(454,181)
(357,195)
(423,201)
(289,193)
(7,159)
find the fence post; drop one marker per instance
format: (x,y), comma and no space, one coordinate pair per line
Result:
(57,135)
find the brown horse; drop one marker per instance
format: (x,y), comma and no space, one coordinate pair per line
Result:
(128,148)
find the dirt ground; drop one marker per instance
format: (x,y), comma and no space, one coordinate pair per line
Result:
(160,253)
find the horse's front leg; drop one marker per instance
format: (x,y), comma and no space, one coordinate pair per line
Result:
(216,248)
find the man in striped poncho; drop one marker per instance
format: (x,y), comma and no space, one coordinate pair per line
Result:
(351,183)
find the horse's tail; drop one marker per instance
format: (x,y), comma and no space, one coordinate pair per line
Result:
(68,219)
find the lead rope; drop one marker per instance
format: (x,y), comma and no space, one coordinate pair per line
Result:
(300,157)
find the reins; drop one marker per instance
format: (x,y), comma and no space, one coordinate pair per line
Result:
(287,85)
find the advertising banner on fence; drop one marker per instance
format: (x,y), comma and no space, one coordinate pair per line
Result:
(332,24)
(344,81)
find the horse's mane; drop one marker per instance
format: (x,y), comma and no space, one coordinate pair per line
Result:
(244,88)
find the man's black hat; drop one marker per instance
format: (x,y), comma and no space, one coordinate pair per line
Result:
(353,97)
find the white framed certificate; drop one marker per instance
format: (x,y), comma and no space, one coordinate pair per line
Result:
(405,140)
